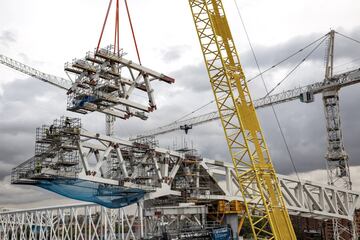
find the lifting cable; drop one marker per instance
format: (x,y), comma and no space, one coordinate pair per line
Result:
(353,60)
(117,31)
(350,38)
(293,70)
(341,66)
(103,27)
(347,63)
(196,110)
(287,58)
(132,31)
(322,39)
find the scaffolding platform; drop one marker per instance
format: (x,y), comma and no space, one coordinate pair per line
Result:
(56,153)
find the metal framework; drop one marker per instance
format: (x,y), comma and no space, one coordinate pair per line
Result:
(163,172)
(98,158)
(90,221)
(338,171)
(338,167)
(337,82)
(302,197)
(102,85)
(156,215)
(81,221)
(48,78)
(170,221)
(258,183)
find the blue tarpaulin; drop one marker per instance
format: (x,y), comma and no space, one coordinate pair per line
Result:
(221,234)
(109,196)
(85,99)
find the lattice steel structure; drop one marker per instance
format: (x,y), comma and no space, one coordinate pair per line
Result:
(55,152)
(81,221)
(338,171)
(48,78)
(337,158)
(258,183)
(162,213)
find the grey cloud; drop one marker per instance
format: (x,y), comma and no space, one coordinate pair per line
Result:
(193,77)
(24,105)
(173,53)
(269,55)
(7,37)
(319,176)
(303,126)
(29,61)
(13,195)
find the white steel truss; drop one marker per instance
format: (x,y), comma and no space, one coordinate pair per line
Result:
(79,221)
(100,158)
(48,78)
(163,173)
(302,197)
(91,221)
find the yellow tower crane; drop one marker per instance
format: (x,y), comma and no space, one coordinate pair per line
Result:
(264,203)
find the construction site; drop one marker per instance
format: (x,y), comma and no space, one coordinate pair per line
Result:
(138,188)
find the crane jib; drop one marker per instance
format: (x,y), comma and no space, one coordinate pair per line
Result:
(266,212)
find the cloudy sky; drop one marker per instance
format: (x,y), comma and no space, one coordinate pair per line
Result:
(46,34)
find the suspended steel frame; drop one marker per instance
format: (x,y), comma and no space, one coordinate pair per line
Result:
(266,211)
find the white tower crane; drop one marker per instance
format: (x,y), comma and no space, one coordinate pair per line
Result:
(338,172)
(48,78)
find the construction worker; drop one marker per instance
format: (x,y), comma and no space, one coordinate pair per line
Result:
(38,167)
(47,133)
(67,122)
(51,129)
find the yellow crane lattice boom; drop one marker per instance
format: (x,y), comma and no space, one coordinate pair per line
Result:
(264,203)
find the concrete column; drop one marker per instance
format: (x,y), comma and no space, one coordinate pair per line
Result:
(141,218)
(228,179)
(233,221)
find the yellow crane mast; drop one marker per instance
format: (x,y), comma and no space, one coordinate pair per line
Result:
(264,203)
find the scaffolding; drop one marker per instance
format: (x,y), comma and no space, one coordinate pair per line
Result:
(55,155)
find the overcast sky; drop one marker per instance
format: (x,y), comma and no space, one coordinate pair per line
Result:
(46,34)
